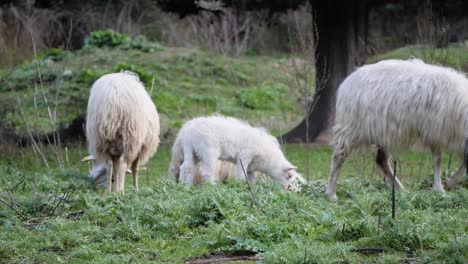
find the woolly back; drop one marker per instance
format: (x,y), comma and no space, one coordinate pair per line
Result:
(121,118)
(394,103)
(232,131)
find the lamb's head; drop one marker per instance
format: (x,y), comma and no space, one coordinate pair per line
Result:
(285,173)
(296,182)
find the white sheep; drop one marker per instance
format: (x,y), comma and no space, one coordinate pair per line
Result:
(122,127)
(223,170)
(394,104)
(210,139)
(98,171)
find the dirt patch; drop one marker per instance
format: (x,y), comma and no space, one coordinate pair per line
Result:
(221,257)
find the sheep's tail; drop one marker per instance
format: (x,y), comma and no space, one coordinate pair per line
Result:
(177,158)
(465,156)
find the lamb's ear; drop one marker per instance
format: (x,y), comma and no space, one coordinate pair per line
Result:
(289,167)
(88,158)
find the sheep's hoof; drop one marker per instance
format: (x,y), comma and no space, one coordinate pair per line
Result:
(448,185)
(438,188)
(332,197)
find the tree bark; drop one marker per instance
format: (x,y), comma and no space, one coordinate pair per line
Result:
(340,36)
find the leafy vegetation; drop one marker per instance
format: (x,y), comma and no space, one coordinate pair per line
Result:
(62,217)
(106,38)
(264,97)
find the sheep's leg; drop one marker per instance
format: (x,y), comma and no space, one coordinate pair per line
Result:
(187,169)
(338,158)
(110,170)
(456,178)
(135,174)
(207,168)
(242,166)
(251,176)
(383,162)
(121,170)
(436,159)
(115,176)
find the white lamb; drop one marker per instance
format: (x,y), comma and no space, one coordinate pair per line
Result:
(122,127)
(224,170)
(394,104)
(210,139)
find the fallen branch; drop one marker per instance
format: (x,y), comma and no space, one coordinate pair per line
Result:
(368,251)
(222,259)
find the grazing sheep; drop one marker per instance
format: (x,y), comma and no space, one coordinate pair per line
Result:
(98,171)
(394,104)
(223,170)
(210,139)
(122,127)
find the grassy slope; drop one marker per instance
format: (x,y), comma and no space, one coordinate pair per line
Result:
(182,82)
(165,223)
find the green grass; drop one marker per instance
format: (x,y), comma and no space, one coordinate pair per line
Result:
(164,222)
(61,217)
(454,56)
(182,82)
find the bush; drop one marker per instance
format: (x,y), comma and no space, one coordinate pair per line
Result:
(106,38)
(56,54)
(88,76)
(145,76)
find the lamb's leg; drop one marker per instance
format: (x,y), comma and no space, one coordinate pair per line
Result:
(251,176)
(110,171)
(187,170)
(135,174)
(208,168)
(436,159)
(242,166)
(383,162)
(456,178)
(338,158)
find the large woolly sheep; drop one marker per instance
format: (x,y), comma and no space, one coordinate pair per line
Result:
(394,104)
(210,139)
(122,127)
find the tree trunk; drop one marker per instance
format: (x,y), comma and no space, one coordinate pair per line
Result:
(340,37)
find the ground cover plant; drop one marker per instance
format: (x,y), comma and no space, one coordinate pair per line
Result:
(59,216)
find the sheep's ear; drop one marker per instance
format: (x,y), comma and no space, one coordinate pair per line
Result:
(88,158)
(290,167)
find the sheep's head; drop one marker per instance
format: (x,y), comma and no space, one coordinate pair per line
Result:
(287,176)
(98,170)
(296,182)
